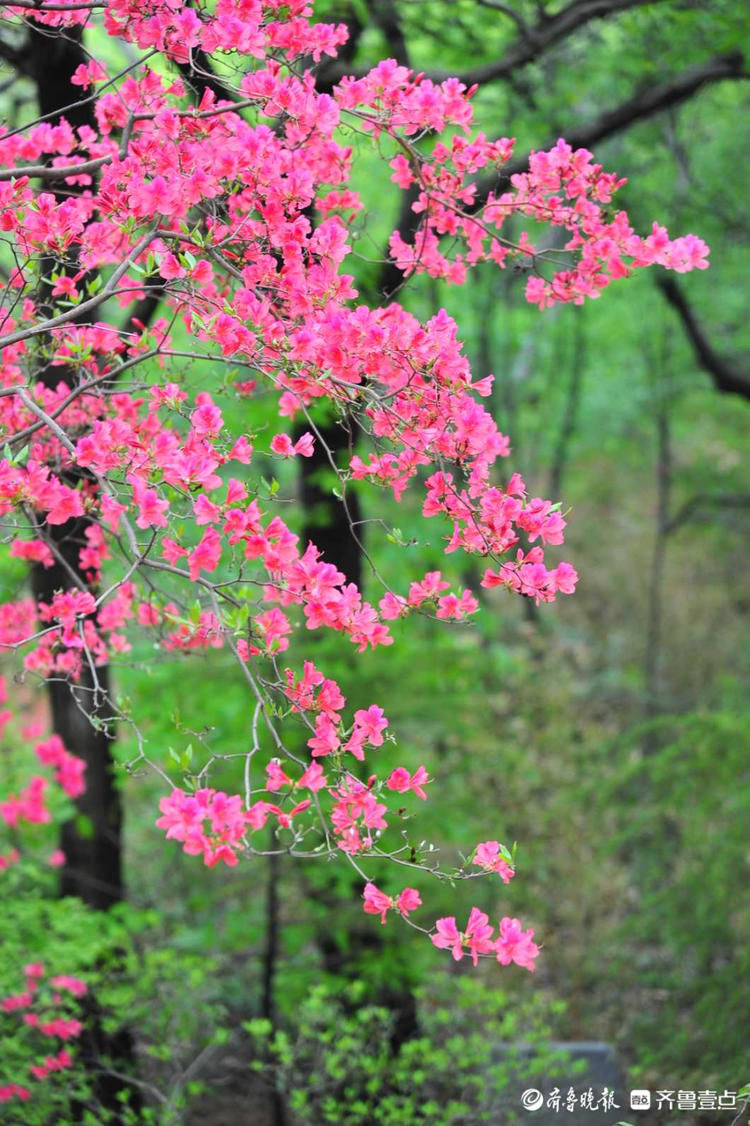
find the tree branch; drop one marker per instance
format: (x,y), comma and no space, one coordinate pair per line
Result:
(107,290)
(548,31)
(726,376)
(386,16)
(511,13)
(644,104)
(705,500)
(532,41)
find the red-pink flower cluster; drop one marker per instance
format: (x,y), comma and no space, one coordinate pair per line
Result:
(241,214)
(30,804)
(184,817)
(41,1007)
(69,769)
(512,944)
(378,903)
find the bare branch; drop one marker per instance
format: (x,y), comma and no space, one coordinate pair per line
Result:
(548,31)
(34,7)
(87,306)
(726,376)
(50,172)
(531,43)
(706,500)
(498,6)
(644,104)
(386,16)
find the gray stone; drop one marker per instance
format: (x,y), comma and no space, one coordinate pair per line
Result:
(587,1068)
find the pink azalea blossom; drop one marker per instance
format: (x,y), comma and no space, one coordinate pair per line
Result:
(378,903)
(487,856)
(401,781)
(476,939)
(408,900)
(515,945)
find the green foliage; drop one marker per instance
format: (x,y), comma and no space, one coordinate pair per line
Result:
(678,808)
(136,981)
(338,1064)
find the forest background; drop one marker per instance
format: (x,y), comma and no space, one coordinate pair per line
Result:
(609,733)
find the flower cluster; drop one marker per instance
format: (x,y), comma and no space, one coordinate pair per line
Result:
(512,944)
(378,903)
(152,502)
(43,1008)
(208,823)
(29,805)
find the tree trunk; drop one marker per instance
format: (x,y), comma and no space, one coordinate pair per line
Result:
(332,526)
(654,612)
(92,841)
(81,713)
(80,716)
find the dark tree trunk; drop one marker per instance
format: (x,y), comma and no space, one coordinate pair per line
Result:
(654,612)
(92,841)
(81,712)
(333,526)
(51,60)
(81,717)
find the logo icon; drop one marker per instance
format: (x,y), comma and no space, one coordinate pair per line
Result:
(640,1100)
(532,1099)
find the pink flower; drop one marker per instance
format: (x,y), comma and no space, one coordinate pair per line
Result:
(72,984)
(448,937)
(28,806)
(313,778)
(170,268)
(377,902)
(64,1029)
(515,945)
(275,776)
(257,815)
(304,446)
(401,781)
(285,819)
(372,723)
(171,550)
(152,510)
(86,74)
(65,287)
(325,740)
(487,856)
(477,936)
(393,606)
(14,1091)
(241,451)
(15,1002)
(212,854)
(408,900)
(205,557)
(282,444)
(476,939)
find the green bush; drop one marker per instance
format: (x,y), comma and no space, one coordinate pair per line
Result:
(466,1065)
